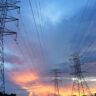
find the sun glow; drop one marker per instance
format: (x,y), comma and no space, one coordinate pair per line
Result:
(30,81)
(23,77)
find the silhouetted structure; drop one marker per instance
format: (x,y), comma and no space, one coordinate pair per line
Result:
(1,94)
(94,94)
(56,79)
(80,86)
(5,16)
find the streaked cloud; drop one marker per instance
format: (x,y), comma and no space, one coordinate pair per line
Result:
(58,42)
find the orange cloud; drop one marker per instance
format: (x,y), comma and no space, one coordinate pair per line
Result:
(23,77)
(45,89)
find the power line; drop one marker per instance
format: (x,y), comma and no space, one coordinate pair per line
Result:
(76,29)
(35,23)
(25,46)
(42,23)
(88,32)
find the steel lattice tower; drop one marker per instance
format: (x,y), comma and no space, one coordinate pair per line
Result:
(5,17)
(56,79)
(80,86)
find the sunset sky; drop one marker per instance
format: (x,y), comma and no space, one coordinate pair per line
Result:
(49,32)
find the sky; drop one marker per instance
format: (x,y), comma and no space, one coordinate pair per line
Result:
(49,32)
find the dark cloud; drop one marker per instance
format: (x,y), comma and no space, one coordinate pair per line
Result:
(13,59)
(83,28)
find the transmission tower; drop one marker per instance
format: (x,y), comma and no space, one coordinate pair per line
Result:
(56,79)
(80,86)
(6,6)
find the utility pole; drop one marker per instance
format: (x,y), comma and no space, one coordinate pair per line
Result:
(5,17)
(80,86)
(56,79)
